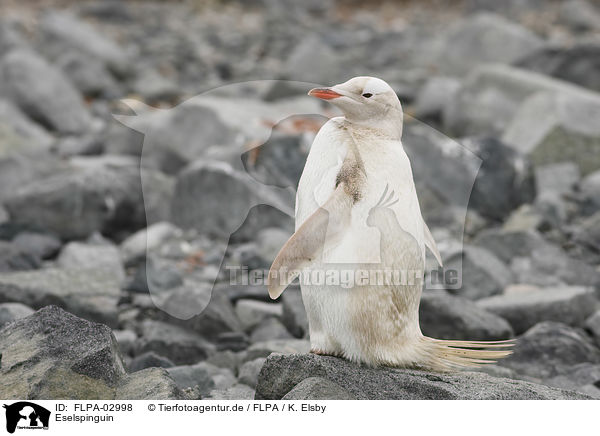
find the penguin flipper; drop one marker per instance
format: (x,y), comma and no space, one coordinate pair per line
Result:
(430,243)
(306,245)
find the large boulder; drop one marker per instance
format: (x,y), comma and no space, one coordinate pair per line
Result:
(54,355)
(282,374)
(557,127)
(91,294)
(42,92)
(483,173)
(577,63)
(483,274)
(62,32)
(215,199)
(525,308)
(491,94)
(80,200)
(484,38)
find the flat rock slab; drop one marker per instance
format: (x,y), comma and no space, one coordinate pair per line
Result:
(283,373)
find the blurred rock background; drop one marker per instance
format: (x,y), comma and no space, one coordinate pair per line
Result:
(93,215)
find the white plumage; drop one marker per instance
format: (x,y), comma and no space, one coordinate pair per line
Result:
(357,209)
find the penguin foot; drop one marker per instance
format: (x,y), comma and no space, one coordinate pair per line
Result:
(326,353)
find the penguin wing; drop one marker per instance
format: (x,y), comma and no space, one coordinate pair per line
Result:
(430,243)
(306,245)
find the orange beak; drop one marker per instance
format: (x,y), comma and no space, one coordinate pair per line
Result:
(324,93)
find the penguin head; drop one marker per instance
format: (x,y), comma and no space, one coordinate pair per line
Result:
(363,100)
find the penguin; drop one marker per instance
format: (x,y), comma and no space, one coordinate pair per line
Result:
(357,208)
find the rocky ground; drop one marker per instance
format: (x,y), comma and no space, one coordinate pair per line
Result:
(115,235)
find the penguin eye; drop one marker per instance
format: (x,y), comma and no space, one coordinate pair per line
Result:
(367,95)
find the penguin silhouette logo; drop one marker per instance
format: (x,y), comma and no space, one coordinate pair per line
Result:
(26,415)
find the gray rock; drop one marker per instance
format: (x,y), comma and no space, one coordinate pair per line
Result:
(483,173)
(484,38)
(281,346)
(294,314)
(154,87)
(42,92)
(318,388)
(550,265)
(227,359)
(546,120)
(443,316)
(37,244)
(269,329)
(91,294)
(587,233)
(79,255)
(491,95)
(89,75)
(148,384)
(579,15)
(279,161)
(79,201)
(252,312)
(508,8)
(62,31)
(136,246)
(590,189)
(314,61)
(483,274)
(126,340)
(549,349)
(592,324)
(523,309)
(178,136)
(508,244)
(583,378)
(249,372)
(42,351)
(180,345)
(10,312)
(13,259)
(198,202)
(576,63)
(559,177)
(217,318)
(281,374)
(235,392)
(149,359)
(192,376)
(10,37)
(19,132)
(434,96)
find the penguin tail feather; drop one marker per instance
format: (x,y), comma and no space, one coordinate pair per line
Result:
(448,355)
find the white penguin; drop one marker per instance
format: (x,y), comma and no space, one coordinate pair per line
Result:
(357,209)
